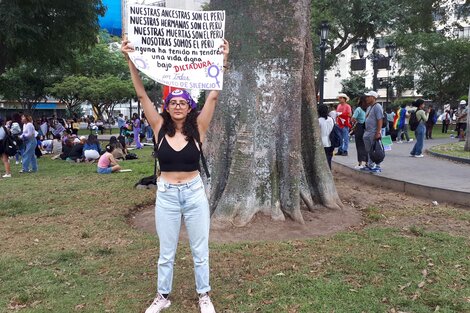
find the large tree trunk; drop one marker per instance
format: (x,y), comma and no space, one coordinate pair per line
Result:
(263,144)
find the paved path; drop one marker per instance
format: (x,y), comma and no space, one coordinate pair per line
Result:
(433,177)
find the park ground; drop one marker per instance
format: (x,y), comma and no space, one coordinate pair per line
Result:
(69,244)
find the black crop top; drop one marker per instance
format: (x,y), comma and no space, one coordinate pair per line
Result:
(186,160)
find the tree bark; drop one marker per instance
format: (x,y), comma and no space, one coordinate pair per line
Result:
(264,139)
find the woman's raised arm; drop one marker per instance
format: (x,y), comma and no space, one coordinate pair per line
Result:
(207,112)
(153,117)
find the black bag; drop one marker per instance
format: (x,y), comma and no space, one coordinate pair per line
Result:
(336,136)
(413,121)
(131,156)
(10,146)
(377,152)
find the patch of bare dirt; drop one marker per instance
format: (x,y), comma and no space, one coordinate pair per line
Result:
(390,208)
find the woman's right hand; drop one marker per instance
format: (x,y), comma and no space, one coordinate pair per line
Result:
(126,47)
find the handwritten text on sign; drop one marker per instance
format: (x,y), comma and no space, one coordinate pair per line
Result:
(178,48)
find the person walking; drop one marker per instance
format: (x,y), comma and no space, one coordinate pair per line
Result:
(432,118)
(121,122)
(29,140)
(326,126)
(373,127)
(343,119)
(446,118)
(136,129)
(461,120)
(180,190)
(420,131)
(358,119)
(402,124)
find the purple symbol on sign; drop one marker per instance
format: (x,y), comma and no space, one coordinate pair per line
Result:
(140,63)
(213,72)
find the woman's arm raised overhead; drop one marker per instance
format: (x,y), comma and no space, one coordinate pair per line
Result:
(153,117)
(207,112)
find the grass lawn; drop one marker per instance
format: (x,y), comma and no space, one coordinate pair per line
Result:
(455,149)
(66,246)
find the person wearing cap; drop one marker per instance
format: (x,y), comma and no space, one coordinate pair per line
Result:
(373,128)
(461,121)
(180,190)
(420,131)
(343,119)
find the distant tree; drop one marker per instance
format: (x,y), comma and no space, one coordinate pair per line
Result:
(46,31)
(105,92)
(352,20)
(70,91)
(442,64)
(26,83)
(354,86)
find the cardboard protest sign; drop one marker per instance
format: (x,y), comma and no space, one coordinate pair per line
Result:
(178,48)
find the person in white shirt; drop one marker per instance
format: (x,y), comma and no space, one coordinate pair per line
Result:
(326,126)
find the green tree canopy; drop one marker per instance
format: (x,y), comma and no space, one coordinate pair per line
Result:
(46,31)
(352,20)
(442,64)
(26,84)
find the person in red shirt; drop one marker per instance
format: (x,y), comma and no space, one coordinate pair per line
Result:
(343,119)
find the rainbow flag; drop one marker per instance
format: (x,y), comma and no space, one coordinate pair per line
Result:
(399,120)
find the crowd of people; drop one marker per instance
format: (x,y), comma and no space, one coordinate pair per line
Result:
(369,123)
(33,140)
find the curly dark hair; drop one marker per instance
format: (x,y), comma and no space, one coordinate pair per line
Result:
(190,129)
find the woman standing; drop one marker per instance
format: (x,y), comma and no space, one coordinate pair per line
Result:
(5,160)
(359,119)
(180,192)
(30,143)
(420,131)
(326,126)
(136,129)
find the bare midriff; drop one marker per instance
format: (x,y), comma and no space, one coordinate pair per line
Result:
(178,177)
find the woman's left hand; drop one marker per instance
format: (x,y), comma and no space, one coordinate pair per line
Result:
(225,50)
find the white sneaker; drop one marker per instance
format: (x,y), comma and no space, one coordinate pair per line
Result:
(7,176)
(419,156)
(399,141)
(158,304)
(205,304)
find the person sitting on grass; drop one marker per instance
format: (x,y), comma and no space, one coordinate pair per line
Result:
(91,148)
(119,152)
(107,164)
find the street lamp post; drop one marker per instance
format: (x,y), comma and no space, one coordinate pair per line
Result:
(323,37)
(376,57)
(391,48)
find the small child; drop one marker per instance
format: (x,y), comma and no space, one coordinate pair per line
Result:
(107,164)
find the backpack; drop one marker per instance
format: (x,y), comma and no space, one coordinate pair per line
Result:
(413,121)
(131,156)
(10,146)
(335,136)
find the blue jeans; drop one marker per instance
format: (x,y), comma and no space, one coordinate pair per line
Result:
(175,202)
(345,136)
(29,157)
(149,133)
(419,133)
